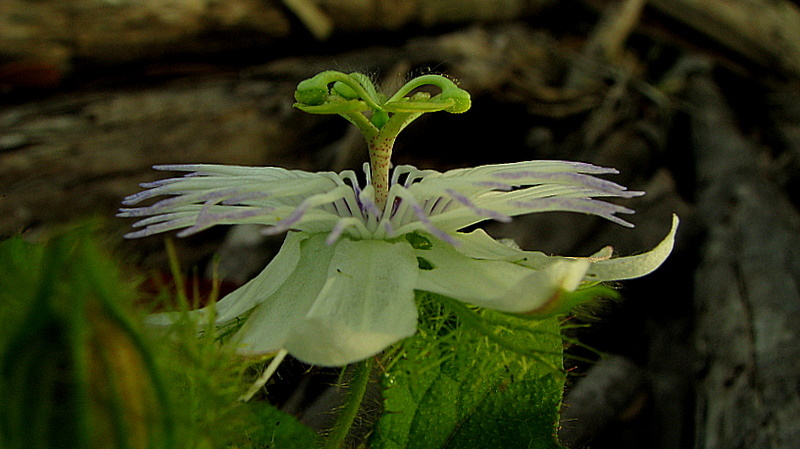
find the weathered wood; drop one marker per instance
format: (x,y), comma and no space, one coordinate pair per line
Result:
(394,14)
(60,32)
(766,32)
(607,41)
(611,389)
(65,158)
(54,34)
(747,288)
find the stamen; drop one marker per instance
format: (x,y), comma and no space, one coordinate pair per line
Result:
(217,196)
(576,179)
(138,197)
(388,228)
(159,183)
(440,205)
(412,174)
(188,215)
(546,166)
(494,185)
(430,227)
(168,203)
(398,172)
(313,201)
(478,210)
(335,233)
(368,204)
(400,211)
(288,222)
(340,227)
(367,172)
(161,227)
(584,205)
(423,218)
(184,188)
(245,197)
(208,219)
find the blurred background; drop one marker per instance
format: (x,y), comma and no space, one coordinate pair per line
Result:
(696,102)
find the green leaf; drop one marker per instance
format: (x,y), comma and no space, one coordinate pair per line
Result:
(77,370)
(73,362)
(274,429)
(455,385)
(19,274)
(206,380)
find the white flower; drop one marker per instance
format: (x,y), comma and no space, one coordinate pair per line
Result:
(341,289)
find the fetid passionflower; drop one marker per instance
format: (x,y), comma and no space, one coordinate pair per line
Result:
(341,288)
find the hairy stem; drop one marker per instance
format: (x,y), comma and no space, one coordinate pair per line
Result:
(352,404)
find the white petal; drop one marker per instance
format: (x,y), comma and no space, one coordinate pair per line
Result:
(250,294)
(497,284)
(344,303)
(265,284)
(480,245)
(268,327)
(366,304)
(619,268)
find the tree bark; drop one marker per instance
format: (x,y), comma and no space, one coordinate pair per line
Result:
(766,32)
(54,35)
(68,157)
(747,289)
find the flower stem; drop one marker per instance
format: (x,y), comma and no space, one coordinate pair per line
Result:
(351,406)
(380,154)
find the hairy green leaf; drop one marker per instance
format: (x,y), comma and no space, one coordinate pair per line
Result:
(460,382)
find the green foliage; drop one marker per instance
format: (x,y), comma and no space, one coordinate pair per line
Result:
(472,378)
(207,378)
(74,370)
(78,371)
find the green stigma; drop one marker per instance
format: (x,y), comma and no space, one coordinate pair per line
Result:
(379,118)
